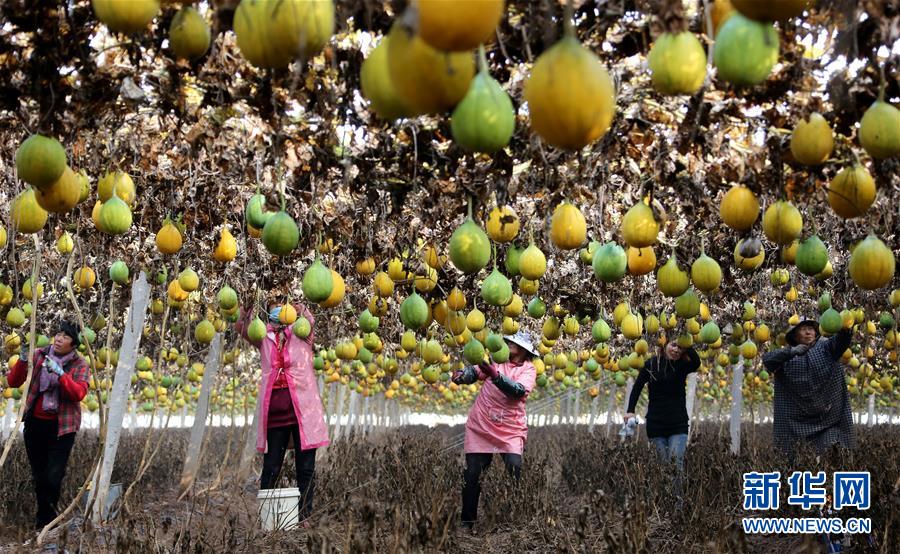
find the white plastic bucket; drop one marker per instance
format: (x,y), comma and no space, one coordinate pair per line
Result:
(279,508)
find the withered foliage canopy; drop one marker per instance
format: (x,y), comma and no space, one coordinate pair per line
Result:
(199,138)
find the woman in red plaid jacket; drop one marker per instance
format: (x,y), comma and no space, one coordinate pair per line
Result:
(52,413)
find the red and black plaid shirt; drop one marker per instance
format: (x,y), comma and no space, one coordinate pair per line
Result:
(73,387)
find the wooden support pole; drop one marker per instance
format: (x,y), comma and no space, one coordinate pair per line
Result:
(340,392)
(870,417)
(192,459)
(610,408)
(737,404)
(248,453)
(577,406)
(351,414)
(594,403)
(9,422)
(690,401)
(118,397)
(365,416)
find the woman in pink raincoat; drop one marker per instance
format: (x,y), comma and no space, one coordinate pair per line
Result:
(290,408)
(496,422)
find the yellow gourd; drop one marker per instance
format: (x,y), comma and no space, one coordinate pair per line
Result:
(502,224)
(812,140)
(226,249)
(851,192)
(739,208)
(426,80)
(782,222)
(460,25)
(639,226)
(168,238)
(568,229)
(570,95)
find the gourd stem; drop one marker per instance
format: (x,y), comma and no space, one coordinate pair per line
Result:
(470,207)
(882,84)
(568,26)
(482,60)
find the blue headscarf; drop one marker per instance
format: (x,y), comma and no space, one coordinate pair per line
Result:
(273,315)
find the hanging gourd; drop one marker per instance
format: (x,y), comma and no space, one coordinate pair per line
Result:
(677,63)
(470,248)
(879,129)
(460,25)
(571,97)
(745,51)
(377,86)
(428,81)
(484,120)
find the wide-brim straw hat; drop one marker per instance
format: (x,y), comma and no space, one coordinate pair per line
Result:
(522,339)
(791,336)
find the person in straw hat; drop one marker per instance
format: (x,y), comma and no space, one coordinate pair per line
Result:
(811,402)
(496,422)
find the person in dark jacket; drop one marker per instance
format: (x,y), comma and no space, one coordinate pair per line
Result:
(667,417)
(52,413)
(811,402)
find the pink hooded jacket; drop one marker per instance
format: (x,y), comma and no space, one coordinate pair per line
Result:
(496,422)
(302,383)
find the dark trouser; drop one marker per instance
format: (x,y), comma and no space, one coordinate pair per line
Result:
(48,456)
(475,464)
(305,460)
(671,449)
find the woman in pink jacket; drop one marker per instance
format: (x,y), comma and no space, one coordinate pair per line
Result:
(289,409)
(496,422)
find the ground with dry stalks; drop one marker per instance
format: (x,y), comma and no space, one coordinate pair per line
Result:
(399,492)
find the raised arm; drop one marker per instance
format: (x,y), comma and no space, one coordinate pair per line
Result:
(243,322)
(19,371)
(74,385)
(465,376)
(691,360)
(839,343)
(516,389)
(637,388)
(774,361)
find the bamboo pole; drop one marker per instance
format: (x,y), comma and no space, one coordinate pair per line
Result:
(35,274)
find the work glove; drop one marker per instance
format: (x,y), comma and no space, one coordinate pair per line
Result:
(800,349)
(488,369)
(53,367)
